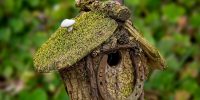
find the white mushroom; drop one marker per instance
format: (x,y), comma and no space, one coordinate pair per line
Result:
(68,24)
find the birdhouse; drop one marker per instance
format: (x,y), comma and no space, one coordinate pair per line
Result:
(103,57)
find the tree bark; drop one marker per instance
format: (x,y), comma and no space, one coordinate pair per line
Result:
(76,82)
(118,82)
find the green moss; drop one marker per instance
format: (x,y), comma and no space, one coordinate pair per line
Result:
(63,49)
(127,90)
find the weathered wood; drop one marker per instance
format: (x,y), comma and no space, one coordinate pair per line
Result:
(111,8)
(139,61)
(77,82)
(121,82)
(92,77)
(155,59)
(64,49)
(87,73)
(120,78)
(101,79)
(117,82)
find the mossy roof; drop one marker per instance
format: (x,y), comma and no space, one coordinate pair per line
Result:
(63,48)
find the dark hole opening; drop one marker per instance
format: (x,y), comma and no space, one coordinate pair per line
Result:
(114,58)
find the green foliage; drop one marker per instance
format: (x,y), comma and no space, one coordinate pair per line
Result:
(173,26)
(195,20)
(171,12)
(61,95)
(5,34)
(37,94)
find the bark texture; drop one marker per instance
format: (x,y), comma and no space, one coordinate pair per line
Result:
(83,82)
(76,82)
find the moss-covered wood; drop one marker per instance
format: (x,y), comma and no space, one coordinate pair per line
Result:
(155,59)
(110,8)
(63,49)
(83,55)
(119,79)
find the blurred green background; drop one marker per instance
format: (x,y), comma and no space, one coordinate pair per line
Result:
(172,25)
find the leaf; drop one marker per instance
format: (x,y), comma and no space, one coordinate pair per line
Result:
(5,34)
(148,35)
(38,94)
(173,63)
(34,3)
(162,80)
(8,71)
(4,96)
(9,6)
(189,72)
(154,4)
(195,20)
(182,43)
(190,85)
(166,45)
(197,37)
(132,2)
(182,39)
(196,95)
(153,19)
(172,12)
(24,95)
(1,14)
(17,25)
(189,3)
(61,95)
